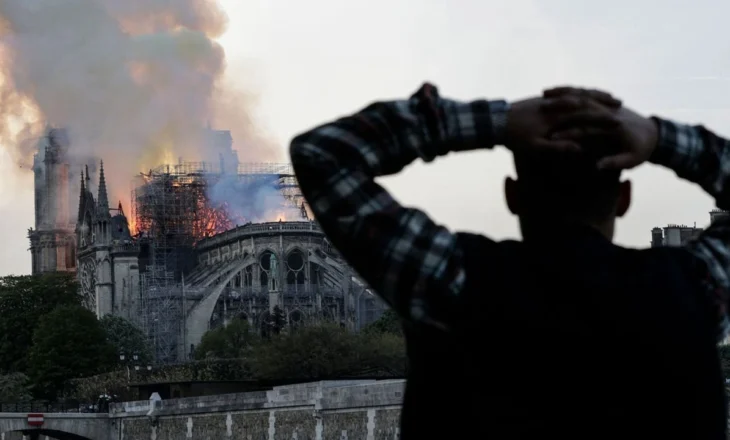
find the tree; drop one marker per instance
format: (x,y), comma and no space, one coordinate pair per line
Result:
(126,338)
(236,340)
(382,351)
(14,387)
(277,321)
(68,343)
(389,322)
(315,351)
(24,300)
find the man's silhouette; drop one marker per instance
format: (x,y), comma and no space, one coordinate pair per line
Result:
(563,334)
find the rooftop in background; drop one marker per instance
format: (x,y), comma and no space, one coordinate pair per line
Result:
(680,235)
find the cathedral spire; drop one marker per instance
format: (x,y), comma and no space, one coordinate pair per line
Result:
(82,198)
(103,199)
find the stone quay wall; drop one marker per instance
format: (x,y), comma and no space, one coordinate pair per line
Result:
(312,411)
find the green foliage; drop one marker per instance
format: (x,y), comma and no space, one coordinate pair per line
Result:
(383,351)
(126,338)
(115,382)
(325,350)
(389,322)
(24,300)
(236,340)
(277,321)
(319,350)
(14,387)
(68,343)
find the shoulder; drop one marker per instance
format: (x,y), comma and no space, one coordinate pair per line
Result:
(469,243)
(669,259)
(488,257)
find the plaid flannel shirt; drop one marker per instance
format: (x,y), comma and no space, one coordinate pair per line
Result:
(414,264)
(700,156)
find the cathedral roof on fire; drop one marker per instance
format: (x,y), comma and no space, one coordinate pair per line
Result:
(120,226)
(93,209)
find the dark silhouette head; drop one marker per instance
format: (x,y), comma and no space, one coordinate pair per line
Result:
(560,187)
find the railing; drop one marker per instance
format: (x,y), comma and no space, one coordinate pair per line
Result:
(125,247)
(48,407)
(258,229)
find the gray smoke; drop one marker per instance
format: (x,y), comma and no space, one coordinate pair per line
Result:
(255,201)
(133,81)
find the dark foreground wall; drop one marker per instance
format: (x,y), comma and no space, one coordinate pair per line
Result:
(320,410)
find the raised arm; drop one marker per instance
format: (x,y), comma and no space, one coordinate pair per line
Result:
(702,157)
(413,263)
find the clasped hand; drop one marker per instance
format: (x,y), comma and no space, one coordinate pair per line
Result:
(564,117)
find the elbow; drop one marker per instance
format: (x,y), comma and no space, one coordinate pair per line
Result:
(294,151)
(297,154)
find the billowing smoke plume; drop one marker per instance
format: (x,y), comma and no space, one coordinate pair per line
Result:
(133,81)
(254,201)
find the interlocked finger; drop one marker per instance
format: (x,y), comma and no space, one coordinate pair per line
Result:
(563,103)
(578,133)
(593,118)
(604,98)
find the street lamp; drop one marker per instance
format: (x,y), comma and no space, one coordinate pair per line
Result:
(122,358)
(135,360)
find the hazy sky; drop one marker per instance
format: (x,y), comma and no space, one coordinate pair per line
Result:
(311,61)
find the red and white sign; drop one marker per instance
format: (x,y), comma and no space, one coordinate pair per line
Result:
(35,419)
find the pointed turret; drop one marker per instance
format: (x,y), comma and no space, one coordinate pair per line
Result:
(82,199)
(102,204)
(121,211)
(88,179)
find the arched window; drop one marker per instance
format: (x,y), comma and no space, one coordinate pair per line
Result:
(295,274)
(248,276)
(269,271)
(314,274)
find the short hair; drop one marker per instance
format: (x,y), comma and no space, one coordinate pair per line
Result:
(560,184)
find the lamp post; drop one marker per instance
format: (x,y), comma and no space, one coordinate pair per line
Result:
(126,362)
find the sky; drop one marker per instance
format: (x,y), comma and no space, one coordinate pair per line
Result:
(309,62)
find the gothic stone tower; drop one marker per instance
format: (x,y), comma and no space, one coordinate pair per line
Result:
(108,257)
(52,242)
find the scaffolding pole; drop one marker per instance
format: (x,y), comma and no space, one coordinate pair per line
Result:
(172,210)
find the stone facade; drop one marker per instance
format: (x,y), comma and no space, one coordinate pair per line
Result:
(166,278)
(314,411)
(333,410)
(52,242)
(245,272)
(108,261)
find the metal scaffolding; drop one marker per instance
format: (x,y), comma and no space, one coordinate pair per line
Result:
(171,211)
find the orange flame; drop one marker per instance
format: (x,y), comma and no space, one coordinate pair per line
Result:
(280,217)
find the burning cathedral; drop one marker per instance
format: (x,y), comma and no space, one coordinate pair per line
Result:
(205,243)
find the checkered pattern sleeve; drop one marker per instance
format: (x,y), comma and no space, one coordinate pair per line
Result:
(702,157)
(411,262)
